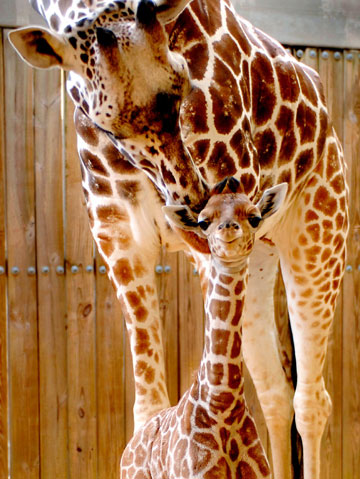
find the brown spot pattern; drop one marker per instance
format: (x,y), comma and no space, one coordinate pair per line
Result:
(237,32)
(303,163)
(219,309)
(195,117)
(142,342)
(209,17)
(226,101)
(324,202)
(123,271)
(256,453)
(219,471)
(111,214)
(199,151)
(289,85)
(220,161)
(265,143)
(116,160)
(219,341)
(85,128)
(228,50)
(197,58)
(234,376)
(128,190)
(248,431)
(215,373)
(263,89)
(245,470)
(306,123)
(307,88)
(99,186)
(202,418)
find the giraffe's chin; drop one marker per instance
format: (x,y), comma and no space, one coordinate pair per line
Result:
(230,265)
(231,249)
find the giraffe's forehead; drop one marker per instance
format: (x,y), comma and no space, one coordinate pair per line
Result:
(229,204)
(119,16)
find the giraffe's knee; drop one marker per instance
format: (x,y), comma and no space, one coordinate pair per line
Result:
(312,404)
(277,404)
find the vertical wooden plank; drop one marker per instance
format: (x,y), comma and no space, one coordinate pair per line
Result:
(23,352)
(191,323)
(331,72)
(310,57)
(351,306)
(3,299)
(80,290)
(129,390)
(110,377)
(168,298)
(51,286)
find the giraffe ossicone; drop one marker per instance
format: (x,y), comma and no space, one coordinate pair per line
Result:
(248,109)
(210,432)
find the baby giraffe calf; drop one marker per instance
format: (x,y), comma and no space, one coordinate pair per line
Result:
(210,433)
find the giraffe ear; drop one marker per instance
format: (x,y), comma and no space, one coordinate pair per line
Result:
(186,225)
(169,10)
(40,48)
(272,199)
(181,217)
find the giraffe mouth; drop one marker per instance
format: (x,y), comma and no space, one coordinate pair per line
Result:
(228,241)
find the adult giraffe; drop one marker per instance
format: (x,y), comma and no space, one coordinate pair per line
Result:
(249,110)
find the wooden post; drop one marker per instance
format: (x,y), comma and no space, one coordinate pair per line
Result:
(22,297)
(110,385)
(51,285)
(331,72)
(351,325)
(80,291)
(3,299)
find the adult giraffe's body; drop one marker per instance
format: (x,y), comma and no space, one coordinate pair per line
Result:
(252,112)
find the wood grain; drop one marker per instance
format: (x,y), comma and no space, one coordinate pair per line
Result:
(80,290)
(110,377)
(51,286)
(191,323)
(22,297)
(129,392)
(3,283)
(332,76)
(168,303)
(351,283)
(71,396)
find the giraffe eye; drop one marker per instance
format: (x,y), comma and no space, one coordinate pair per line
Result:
(204,224)
(254,221)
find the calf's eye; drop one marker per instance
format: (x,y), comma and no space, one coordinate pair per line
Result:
(254,221)
(204,224)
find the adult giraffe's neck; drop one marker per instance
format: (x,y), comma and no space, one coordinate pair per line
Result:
(167,162)
(221,382)
(58,14)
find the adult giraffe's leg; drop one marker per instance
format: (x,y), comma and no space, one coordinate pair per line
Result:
(124,211)
(312,254)
(131,264)
(261,354)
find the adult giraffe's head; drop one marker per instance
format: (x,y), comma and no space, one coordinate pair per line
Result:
(227,226)
(127,80)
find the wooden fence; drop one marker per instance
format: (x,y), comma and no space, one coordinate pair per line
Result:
(66,386)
